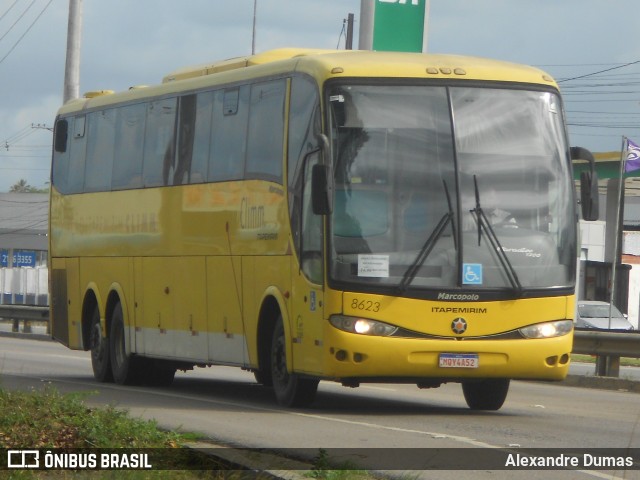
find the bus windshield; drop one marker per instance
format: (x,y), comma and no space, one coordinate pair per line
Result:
(450,187)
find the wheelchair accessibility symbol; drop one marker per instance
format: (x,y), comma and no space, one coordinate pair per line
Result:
(472,274)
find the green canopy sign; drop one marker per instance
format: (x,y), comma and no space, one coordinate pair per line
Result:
(399,25)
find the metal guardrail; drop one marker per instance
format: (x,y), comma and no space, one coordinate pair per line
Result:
(26,314)
(607,346)
(596,342)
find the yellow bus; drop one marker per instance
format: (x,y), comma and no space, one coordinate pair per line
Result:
(319,215)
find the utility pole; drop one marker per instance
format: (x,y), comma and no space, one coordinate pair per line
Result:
(349,40)
(253,34)
(72,65)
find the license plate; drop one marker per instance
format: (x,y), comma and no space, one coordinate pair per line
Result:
(459,360)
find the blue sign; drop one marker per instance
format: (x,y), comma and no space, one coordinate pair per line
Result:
(21,258)
(472,274)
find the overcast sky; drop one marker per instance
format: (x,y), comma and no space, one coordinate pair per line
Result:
(133,42)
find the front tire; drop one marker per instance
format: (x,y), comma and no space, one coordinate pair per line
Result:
(291,389)
(486,394)
(100,355)
(125,368)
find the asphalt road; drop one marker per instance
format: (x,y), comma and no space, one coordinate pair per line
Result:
(226,406)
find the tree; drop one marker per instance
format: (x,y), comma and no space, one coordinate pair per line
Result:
(22,186)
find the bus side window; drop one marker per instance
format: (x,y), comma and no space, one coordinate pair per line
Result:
(97,176)
(77,156)
(304,125)
(266,130)
(201,139)
(228,140)
(186,134)
(61,154)
(129,143)
(62,134)
(159,141)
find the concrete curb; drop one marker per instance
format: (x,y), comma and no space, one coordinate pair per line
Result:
(265,464)
(28,336)
(602,383)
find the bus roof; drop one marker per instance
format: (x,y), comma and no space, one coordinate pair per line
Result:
(322,64)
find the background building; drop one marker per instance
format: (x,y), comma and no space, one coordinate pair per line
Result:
(24,248)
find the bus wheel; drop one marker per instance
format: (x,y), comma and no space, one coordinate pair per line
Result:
(485,394)
(291,390)
(125,367)
(100,359)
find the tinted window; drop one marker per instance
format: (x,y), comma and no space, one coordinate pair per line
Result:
(229,135)
(186,134)
(202,138)
(102,130)
(127,164)
(159,140)
(266,130)
(78,144)
(61,156)
(304,123)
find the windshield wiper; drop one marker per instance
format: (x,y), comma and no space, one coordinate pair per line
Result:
(428,246)
(484,223)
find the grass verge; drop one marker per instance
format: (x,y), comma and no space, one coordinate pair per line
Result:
(48,419)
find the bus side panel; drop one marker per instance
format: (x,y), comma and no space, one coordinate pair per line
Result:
(59,314)
(138,304)
(249,308)
(66,307)
(174,317)
(188,294)
(157,313)
(224,298)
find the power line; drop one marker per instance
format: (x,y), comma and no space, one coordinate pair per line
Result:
(18,19)
(598,72)
(26,31)
(8,10)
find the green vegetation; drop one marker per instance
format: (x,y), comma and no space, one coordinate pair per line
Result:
(324,469)
(51,420)
(47,419)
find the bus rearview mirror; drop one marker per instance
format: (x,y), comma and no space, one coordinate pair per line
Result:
(321,190)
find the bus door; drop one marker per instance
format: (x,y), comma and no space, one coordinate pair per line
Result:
(308,278)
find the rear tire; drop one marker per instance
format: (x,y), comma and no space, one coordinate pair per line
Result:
(126,368)
(486,394)
(291,389)
(100,355)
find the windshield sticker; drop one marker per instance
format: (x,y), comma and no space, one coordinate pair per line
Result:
(373,266)
(472,274)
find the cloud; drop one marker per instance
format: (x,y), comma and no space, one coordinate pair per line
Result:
(132,42)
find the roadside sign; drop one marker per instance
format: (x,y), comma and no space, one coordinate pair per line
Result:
(20,258)
(399,25)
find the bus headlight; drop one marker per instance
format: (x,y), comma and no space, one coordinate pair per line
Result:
(548,329)
(362,326)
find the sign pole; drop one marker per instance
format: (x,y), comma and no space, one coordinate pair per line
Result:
(367,10)
(425,32)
